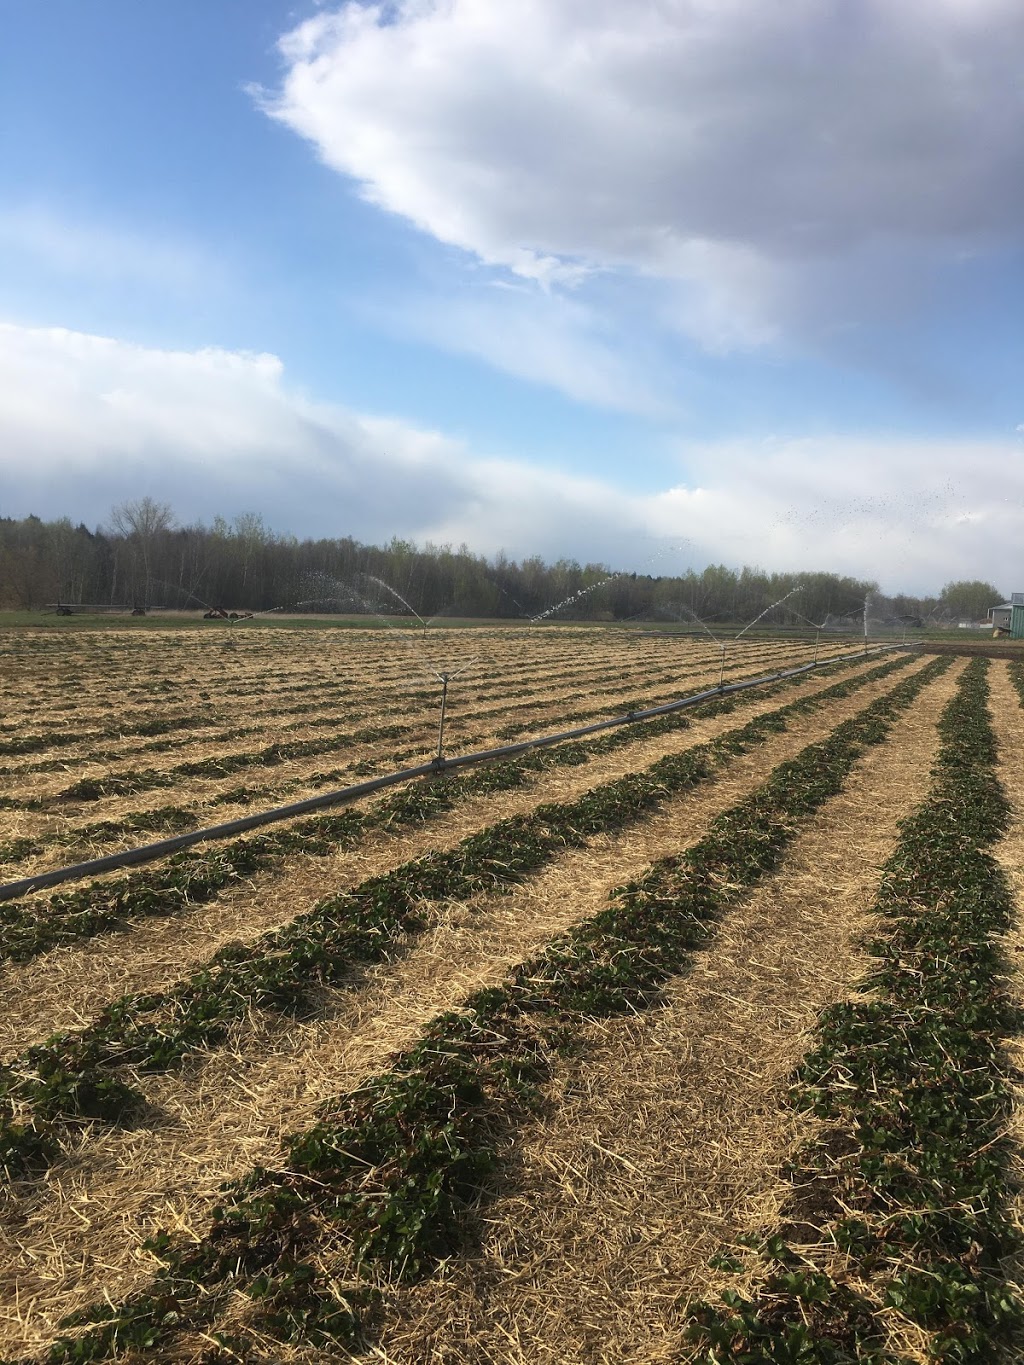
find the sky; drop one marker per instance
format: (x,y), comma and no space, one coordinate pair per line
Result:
(653,285)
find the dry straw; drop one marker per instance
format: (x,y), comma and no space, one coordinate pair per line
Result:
(79,1235)
(665,1144)
(61,989)
(374,695)
(1008,724)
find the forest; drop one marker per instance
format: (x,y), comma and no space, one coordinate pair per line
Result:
(142,559)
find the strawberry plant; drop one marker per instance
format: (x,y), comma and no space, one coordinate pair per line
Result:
(190,878)
(401,1164)
(358,927)
(909,1179)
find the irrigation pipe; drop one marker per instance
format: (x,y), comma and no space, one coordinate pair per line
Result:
(344,795)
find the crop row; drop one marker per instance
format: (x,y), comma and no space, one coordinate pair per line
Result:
(906,1186)
(279,693)
(134,780)
(291,656)
(29,929)
(104,684)
(1016,672)
(327,696)
(172,818)
(276,699)
(63,738)
(275,692)
(104,688)
(72,1075)
(219,765)
(399,1167)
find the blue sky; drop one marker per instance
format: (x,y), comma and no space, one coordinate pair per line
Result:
(645,284)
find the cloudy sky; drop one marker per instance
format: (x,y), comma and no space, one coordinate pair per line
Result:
(654,283)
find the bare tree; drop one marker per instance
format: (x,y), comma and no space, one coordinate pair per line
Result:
(140,523)
(251,536)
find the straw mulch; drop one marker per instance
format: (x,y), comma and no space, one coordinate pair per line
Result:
(1008,722)
(375,703)
(665,1145)
(77,1236)
(28,784)
(61,989)
(372,690)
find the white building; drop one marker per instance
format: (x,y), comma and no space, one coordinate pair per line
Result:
(1000,616)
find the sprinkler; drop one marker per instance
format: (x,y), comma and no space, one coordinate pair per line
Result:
(439,760)
(445,679)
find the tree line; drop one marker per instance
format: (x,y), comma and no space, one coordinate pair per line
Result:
(143,559)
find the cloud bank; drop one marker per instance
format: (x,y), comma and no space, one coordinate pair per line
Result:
(90,421)
(784,167)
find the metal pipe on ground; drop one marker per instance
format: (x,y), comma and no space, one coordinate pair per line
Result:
(345,795)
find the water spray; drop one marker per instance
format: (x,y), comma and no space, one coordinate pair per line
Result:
(719,644)
(817,629)
(703,624)
(217,613)
(766,611)
(515,600)
(443,675)
(177,588)
(575,597)
(398,598)
(602,583)
(352,595)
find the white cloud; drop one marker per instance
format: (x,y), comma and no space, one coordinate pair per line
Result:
(912,514)
(544,338)
(725,145)
(88,421)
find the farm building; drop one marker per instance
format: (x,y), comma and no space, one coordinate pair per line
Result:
(1009,616)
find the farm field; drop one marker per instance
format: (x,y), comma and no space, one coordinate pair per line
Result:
(688,1041)
(106,736)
